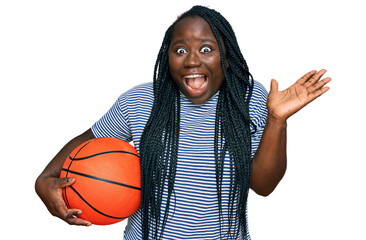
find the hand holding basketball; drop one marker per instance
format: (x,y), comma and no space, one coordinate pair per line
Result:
(50,192)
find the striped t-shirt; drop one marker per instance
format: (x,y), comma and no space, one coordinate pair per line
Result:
(194,207)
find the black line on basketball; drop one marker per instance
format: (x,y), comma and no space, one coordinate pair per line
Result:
(92,140)
(66,200)
(97,154)
(67,173)
(94,207)
(101,179)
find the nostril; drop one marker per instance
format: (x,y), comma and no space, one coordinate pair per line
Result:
(192,60)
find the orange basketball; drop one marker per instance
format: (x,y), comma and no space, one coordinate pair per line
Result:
(108,180)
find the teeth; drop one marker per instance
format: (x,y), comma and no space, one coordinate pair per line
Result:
(194,76)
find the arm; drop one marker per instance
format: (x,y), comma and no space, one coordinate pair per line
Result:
(270,160)
(49,184)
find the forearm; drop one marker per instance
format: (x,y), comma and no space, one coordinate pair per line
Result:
(49,184)
(270,160)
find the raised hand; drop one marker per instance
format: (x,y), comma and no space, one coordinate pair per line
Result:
(283,104)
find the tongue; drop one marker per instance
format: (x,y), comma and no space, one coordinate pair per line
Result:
(195,83)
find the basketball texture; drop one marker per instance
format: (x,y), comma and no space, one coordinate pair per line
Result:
(108,180)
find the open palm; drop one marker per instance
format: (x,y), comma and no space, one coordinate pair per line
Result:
(283,104)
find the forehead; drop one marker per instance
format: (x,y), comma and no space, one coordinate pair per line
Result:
(192,27)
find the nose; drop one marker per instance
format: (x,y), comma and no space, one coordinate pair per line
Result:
(192,60)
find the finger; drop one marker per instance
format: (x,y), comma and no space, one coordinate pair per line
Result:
(319,85)
(274,86)
(306,77)
(315,78)
(318,93)
(78,221)
(72,213)
(68,215)
(59,208)
(65,182)
(72,219)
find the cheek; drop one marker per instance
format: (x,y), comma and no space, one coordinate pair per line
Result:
(216,69)
(214,61)
(170,60)
(174,62)
(174,69)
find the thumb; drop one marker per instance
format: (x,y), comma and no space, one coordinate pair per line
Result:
(274,86)
(64,182)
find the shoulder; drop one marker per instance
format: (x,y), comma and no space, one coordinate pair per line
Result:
(259,94)
(258,104)
(140,94)
(142,90)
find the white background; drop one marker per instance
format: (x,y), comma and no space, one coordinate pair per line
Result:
(64,63)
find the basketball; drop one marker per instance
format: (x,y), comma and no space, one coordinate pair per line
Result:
(108,180)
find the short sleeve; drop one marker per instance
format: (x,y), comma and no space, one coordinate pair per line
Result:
(115,123)
(258,113)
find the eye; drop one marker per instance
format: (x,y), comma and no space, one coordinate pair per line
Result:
(181,50)
(206,49)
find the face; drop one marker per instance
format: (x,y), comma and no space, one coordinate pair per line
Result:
(194,59)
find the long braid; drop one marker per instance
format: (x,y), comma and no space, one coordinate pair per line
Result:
(160,139)
(159,144)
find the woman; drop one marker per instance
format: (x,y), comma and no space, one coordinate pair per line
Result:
(205,132)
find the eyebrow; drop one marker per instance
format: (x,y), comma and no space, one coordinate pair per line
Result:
(203,40)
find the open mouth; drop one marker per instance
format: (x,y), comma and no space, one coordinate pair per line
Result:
(196,84)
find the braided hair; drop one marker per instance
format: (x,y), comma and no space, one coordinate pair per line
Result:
(160,139)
